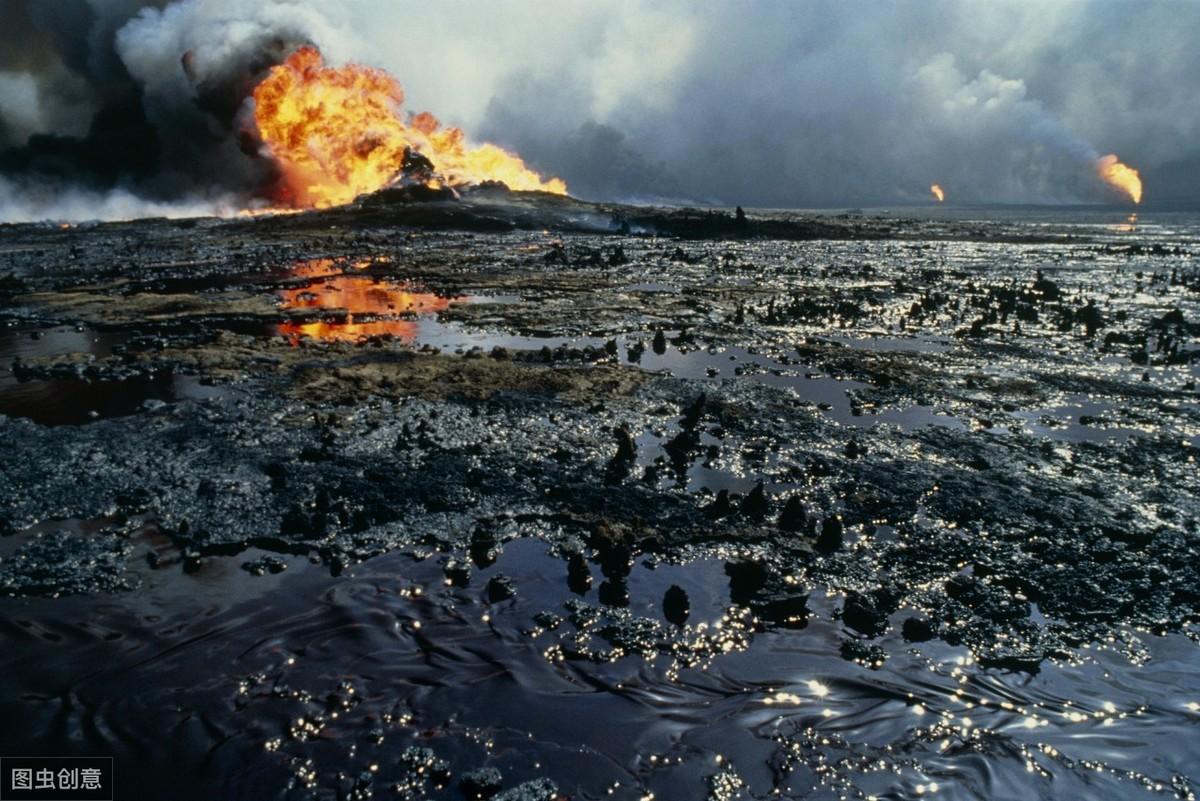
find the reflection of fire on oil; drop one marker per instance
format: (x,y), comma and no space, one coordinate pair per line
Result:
(359,306)
(1129,226)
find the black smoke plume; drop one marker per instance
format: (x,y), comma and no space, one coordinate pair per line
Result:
(78,128)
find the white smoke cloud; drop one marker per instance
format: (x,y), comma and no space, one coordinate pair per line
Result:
(801,104)
(23,202)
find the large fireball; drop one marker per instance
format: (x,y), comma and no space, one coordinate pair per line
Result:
(338,132)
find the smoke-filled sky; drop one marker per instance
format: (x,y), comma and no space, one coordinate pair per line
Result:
(116,107)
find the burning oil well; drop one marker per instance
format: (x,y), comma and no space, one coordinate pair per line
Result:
(337,133)
(235,112)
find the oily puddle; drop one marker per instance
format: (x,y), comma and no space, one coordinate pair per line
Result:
(330,300)
(338,299)
(73,398)
(1083,418)
(304,680)
(24,343)
(75,401)
(357,307)
(827,392)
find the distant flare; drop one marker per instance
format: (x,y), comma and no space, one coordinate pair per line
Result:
(938,193)
(1120,176)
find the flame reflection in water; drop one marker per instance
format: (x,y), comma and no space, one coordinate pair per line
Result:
(1129,226)
(358,306)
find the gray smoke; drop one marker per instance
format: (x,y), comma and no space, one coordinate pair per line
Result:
(768,104)
(811,104)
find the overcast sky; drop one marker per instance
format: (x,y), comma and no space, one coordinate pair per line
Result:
(759,103)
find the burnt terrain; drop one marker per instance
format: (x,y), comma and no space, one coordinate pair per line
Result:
(369,502)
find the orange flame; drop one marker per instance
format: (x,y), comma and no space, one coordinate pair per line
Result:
(1120,176)
(337,132)
(938,193)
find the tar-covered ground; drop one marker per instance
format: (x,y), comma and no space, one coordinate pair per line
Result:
(524,498)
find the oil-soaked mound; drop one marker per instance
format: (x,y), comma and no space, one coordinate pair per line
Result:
(789,505)
(492,208)
(60,564)
(429,376)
